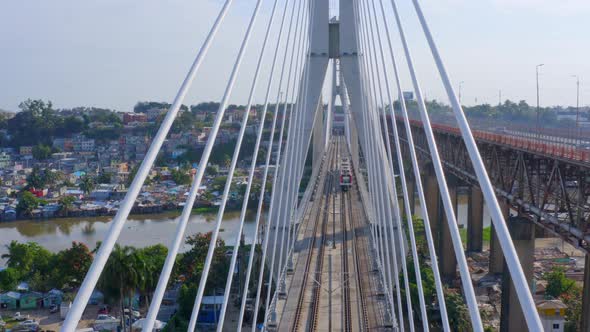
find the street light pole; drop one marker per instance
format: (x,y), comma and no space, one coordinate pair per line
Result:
(538,103)
(460,90)
(577,104)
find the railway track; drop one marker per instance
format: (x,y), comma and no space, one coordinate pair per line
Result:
(317,246)
(337,297)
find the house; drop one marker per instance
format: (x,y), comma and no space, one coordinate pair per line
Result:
(22,287)
(31,300)
(52,297)
(10,300)
(4,160)
(9,214)
(552,314)
(82,143)
(134,118)
(169,303)
(25,150)
(210,309)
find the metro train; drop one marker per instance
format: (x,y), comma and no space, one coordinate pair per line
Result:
(345,174)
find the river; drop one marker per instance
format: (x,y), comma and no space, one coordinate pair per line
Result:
(139,231)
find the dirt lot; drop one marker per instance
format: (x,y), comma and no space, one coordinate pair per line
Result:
(52,322)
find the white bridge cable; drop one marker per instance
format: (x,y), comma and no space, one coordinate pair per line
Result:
(397,217)
(418,180)
(468,290)
(516,272)
(277,189)
(203,165)
(300,147)
(267,228)
(377,182)
(264,177)
(406,201)
(108,243)
(289,155)
(230,272)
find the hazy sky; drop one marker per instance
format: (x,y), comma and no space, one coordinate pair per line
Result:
(112,53)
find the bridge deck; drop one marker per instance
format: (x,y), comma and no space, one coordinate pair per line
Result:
(332,287)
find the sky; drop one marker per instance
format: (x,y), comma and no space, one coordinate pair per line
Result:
(113,53)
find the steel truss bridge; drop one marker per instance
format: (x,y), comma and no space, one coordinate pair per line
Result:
(339,260)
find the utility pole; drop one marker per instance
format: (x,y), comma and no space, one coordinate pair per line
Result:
(500,97)
(460,90)
(577,105)
(538,103)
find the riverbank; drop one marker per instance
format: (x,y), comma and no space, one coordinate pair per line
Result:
(139,230)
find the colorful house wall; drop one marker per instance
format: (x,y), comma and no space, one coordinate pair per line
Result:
(9,300)
(31,300)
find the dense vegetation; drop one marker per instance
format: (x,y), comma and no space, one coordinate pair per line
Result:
(128,271)
(561,287)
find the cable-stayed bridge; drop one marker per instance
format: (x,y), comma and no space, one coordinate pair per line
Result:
(339,256)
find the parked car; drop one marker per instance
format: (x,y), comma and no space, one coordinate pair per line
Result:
(27,325)
(134,313)
(104,317)
(18,317)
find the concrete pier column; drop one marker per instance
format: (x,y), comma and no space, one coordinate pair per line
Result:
(586,297)
(496,264)
(318,136)
(475,220)
(432,197)
(412,194)
(446,252)
(522,232)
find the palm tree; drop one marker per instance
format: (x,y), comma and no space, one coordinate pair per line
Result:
(10,249)
(87,184)
(121,276)
(65,204)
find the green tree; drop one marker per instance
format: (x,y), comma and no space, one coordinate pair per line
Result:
(153,258)
(36,178)
(41,151)
(28,258)
(87,184)
(9,278)
(73,264)
(457,311)
(557,282)
(180,177)
(27,203)
(104,178)
(65,204)
(121,275)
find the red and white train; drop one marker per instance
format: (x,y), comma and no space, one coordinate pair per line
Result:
(345,174)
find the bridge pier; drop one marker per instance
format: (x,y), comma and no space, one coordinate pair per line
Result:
(522,232)
(412,195)
(475,220)
(496,263)
(446,256)
(432,197)
(586,296)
